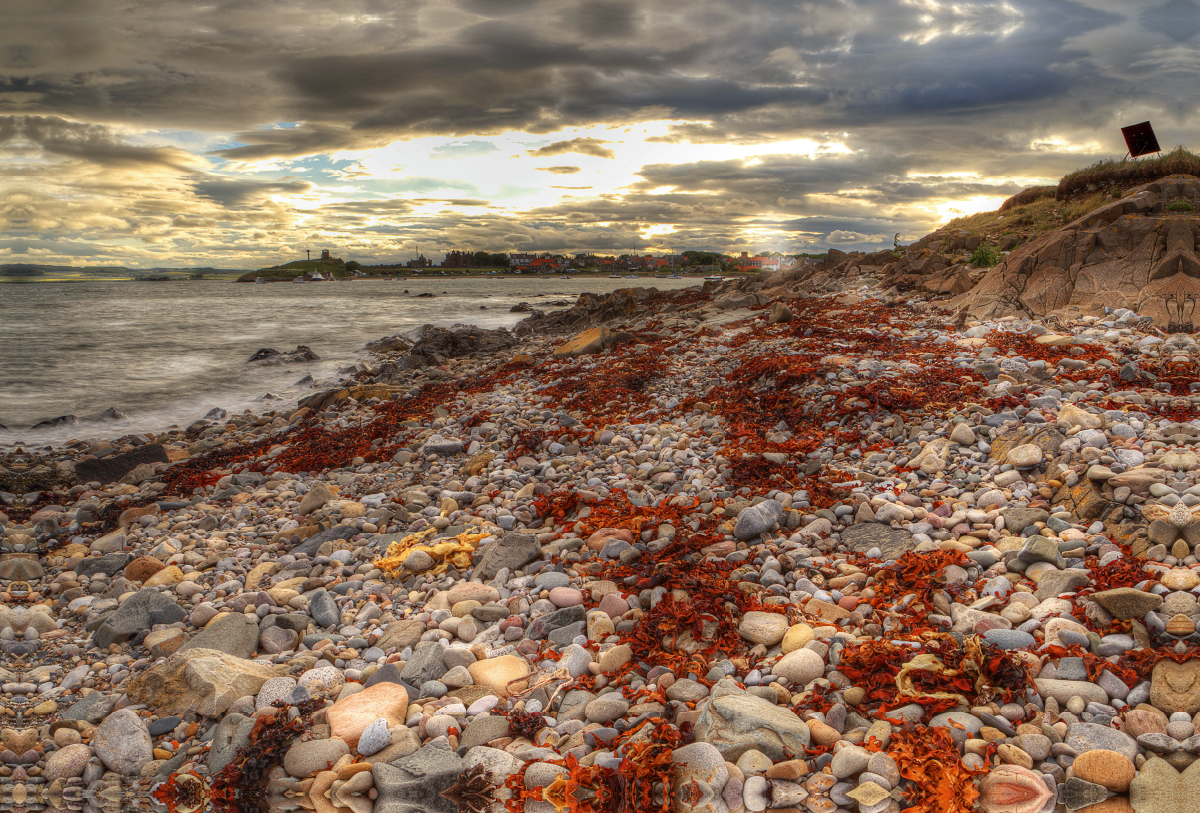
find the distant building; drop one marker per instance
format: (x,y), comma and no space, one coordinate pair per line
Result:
(420,262)
(521,260)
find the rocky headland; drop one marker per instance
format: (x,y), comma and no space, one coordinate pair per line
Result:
(884,533)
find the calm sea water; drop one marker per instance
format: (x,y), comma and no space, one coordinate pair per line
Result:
(166,353)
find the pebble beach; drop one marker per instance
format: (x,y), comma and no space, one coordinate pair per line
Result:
(738,547)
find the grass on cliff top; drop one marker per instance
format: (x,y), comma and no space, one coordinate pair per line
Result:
(1127,173)
(1028,220)
(1038,209)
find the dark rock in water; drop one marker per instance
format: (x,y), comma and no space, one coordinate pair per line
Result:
(113,468)
(308,379)
(520,307)
(269,355)
(112,414)
(435,344)
(215,414)
(61,420)
(425,295)
(588,310)
(388,344)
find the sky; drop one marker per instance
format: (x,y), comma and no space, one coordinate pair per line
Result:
(239,134)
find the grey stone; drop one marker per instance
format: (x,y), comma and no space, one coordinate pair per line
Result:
(735,721)
(140,611)
(428,662)
(757,519)
(1064,690)
(313,544)
(892,542)
(1008,639)
(1091,736)
(540,628)
(413,784)
(109,564)
(375,737)
(1040,549)
(304,758)
(232,733)
(482,730)
(122,743)
(324,609)
(93,708)
(277,639)
(971,725)
(234,634)
(1055,582)
(1018,519)
(850,761)
(511,551)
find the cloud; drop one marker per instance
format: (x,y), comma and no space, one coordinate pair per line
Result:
(583,146)
(465,149)
(150,135)
(234,192)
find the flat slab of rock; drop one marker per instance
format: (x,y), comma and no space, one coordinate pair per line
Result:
(113,468)
(1126,603)
(511,551)
(234,634)
(202,680)
(892,542)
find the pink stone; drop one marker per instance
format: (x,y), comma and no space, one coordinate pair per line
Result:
(349,716)
(600,538)
(990,623)
(565,597)
(848,602)
(615,605)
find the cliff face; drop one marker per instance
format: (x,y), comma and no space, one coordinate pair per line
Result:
(1138,253)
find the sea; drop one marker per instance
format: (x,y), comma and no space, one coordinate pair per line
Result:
(167,353)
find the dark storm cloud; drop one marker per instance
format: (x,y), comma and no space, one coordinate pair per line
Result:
(584,146)
(234,193)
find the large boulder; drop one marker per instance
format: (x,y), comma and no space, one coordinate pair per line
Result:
(234,634)
(123,743)
(735,721)
(136,614)
(202,680)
